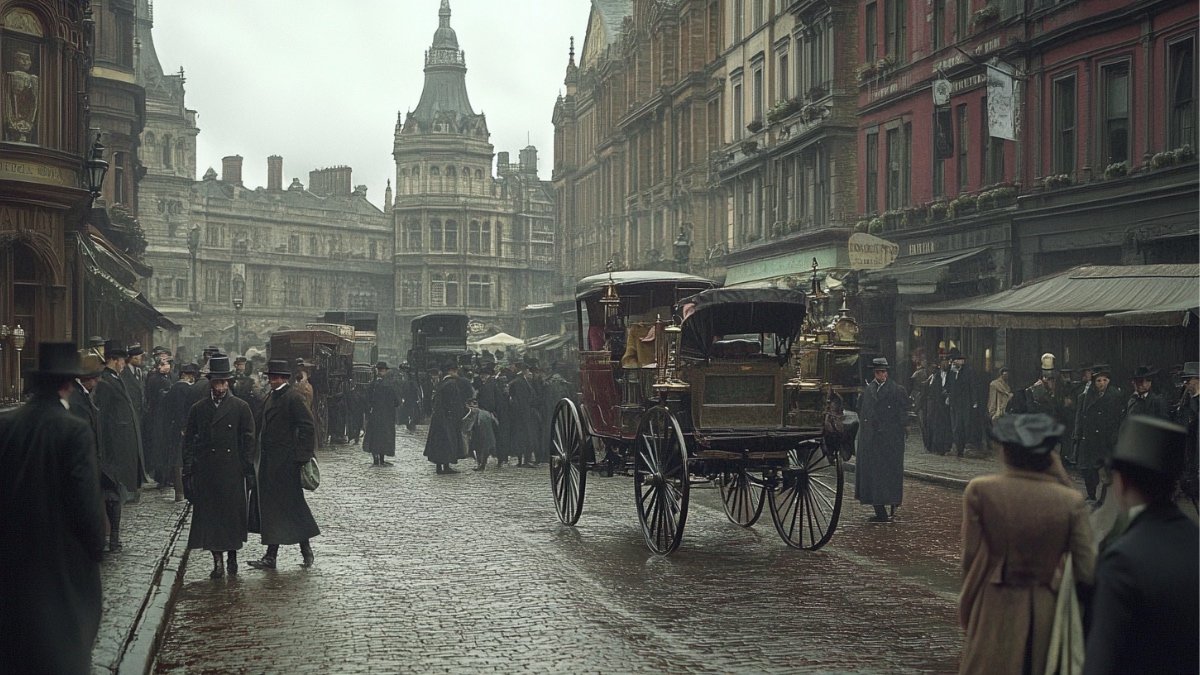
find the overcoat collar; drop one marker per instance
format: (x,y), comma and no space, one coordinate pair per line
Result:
(220,411)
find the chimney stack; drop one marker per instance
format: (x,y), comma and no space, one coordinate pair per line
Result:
(529,161)
(334,181)
(231,169)
(275,173)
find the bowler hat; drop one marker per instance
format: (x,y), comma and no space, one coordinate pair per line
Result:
(1151,443)
(1036,433)
(135,349)
(114,348)
(382,365)
(279,367)
(95,341)
(58,359)
(92,365)
(189,369)
(1144,372)
(219,369)
(955,354)
(1101,369)
(1190,369)
(880,364)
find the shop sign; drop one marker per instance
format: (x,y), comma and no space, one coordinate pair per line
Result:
(31,172)
(868,252)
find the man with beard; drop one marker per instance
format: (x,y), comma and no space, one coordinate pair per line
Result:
(1099,421)
(286,442)
(121,437)
(444,445)
(218,460)
(52,523)
(176,404)
(381,402)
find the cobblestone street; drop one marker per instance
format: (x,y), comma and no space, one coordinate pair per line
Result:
(423,573)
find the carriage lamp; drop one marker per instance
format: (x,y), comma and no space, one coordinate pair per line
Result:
(96,168)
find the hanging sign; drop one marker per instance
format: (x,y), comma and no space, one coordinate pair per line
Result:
(1001,101)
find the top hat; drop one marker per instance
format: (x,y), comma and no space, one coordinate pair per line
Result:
(382,365)
(219,368)
(95,341)
(1151,443)
(1101,369)
(880,364)
(954,353)
(135,349)
(113,349)
(1047,361)
(1190,369)
(1144,372)
(189,369)
(1036,433)
(58,359)
(279,367)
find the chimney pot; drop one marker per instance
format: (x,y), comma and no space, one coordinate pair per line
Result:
(275,173)
(231,169)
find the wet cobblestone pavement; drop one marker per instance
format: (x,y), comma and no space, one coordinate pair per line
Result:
(463,573)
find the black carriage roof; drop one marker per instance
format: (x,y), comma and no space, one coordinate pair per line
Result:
(596,283)
(733,311)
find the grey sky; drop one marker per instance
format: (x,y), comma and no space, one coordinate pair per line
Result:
(319,82)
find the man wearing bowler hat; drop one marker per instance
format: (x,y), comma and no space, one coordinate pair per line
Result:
(381,402)
(1146,606)
(879,480)
(52,525)
(1143,400)
(120,437)
(286,441)
(218,461)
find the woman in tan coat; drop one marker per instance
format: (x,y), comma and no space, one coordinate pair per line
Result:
(1017,526)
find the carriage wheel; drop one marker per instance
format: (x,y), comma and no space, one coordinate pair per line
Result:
(807,499)
(568,463)
(743,499)
(660,480)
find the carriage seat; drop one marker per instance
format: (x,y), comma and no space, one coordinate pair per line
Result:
(641,345)
(736,349)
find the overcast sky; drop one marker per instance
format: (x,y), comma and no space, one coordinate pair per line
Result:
(319,82)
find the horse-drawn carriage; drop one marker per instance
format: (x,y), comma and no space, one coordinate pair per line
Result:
(687,383)
(328,352)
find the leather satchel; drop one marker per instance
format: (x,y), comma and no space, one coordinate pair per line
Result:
(310,475)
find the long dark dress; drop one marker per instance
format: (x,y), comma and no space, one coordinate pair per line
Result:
(218,454)
(286,442)
(879,478)
(382,401)
(444,445)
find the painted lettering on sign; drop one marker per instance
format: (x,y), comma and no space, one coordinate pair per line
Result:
(920,248)
(36,173)
(868,252)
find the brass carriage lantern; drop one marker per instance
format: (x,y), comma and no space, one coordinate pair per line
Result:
(610,301)
(18,336)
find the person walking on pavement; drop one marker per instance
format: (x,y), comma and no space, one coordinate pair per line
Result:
(218,461)
(444,444)
(1017,526)
(524,433)
(999,394)
(286,441)
(879,479)
(963,394)
(918,393)
(1099,421)
(158,383)
(1186,414)
(1146,606)
(175,407)
(410,400)
(52,523)
(1143,401)
(937,411)
(121,438)
(382,401)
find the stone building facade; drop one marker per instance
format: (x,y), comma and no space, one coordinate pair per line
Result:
(467,240)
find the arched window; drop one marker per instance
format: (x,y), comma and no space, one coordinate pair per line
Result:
(451,236)
(450,172)
(479,290)
(434,171)
(473,231)
(413,230)
(168,152)
(478,174)
(416,172)
(404,173)
(466,172)
(24,82)
(435,235)
(148,142)
(452,290)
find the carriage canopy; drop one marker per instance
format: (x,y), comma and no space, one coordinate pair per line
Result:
(711,316)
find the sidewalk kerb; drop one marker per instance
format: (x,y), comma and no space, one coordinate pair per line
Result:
(141,647)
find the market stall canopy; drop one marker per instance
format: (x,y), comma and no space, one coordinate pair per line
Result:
(1091,296)
(502,340)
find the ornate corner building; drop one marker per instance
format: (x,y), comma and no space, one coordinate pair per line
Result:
(467,241)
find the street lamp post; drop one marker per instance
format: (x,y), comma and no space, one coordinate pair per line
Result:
(18,336)
(239,290)
(193,240)
(683,250)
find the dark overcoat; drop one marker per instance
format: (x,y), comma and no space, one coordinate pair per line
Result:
(382,400)
(218,455)
(1146,612)
(1151,404)
(489,394)
(121,434)
(879,478)
(1099,421)
(154,428)
(175,407)
(444,444)
(286,442)
(523,433)
(83,407)
(938,429)
(964,390)
(410,406)
(1187,413)
(52,520)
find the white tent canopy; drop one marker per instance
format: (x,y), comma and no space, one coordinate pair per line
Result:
(499,340)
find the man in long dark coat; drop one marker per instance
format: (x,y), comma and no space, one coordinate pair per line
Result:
(444,444)
(1187,413)
(286,441)
(1099,422)
(879,478)
(964,402)
(52,523)
(121,437)
(1146,606)
(218,459)
(381,403)
(410,397)
(939,430)
(175,406)
(158,383)
(1143,400)
(524,432)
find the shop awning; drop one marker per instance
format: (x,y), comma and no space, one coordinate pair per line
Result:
(110,266)
(1091,296)
(920,276)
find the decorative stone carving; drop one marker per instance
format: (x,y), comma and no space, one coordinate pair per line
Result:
(22,91)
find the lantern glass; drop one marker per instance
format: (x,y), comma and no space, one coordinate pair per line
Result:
(18,336)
